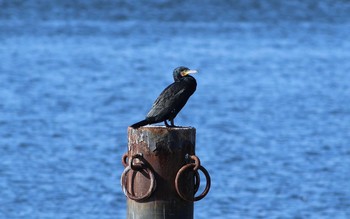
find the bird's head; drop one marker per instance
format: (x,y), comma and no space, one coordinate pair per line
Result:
(182,71)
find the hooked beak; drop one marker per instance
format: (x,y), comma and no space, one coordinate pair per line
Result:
(187,72)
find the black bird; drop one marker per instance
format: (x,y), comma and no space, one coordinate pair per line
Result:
(172,99)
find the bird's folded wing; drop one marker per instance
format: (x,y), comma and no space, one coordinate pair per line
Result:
(167,100)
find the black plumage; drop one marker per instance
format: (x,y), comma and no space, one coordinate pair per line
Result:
(172,99)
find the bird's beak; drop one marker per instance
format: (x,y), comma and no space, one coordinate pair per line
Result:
(187,72)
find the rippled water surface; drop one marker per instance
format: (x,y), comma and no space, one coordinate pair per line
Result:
(271,108)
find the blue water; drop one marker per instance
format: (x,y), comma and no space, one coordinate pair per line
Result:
(271,108)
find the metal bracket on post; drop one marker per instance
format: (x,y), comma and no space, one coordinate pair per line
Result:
(193,167)
(137,167)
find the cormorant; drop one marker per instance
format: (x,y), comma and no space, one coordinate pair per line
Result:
(172,99)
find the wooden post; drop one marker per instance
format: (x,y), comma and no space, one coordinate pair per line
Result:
(158,152)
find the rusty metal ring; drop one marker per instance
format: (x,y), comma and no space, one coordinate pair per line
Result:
(124,158)
(207,187)
(151,189)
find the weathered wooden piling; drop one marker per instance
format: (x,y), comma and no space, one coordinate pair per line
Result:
(155,156)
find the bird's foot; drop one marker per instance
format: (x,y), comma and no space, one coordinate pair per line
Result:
(172,123)
(166,123)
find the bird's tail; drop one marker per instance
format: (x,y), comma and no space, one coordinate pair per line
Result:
(139,124)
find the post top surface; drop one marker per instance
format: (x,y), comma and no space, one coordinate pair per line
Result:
(160,138)
(155,127)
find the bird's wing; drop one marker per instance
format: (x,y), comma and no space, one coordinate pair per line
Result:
(167,100)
